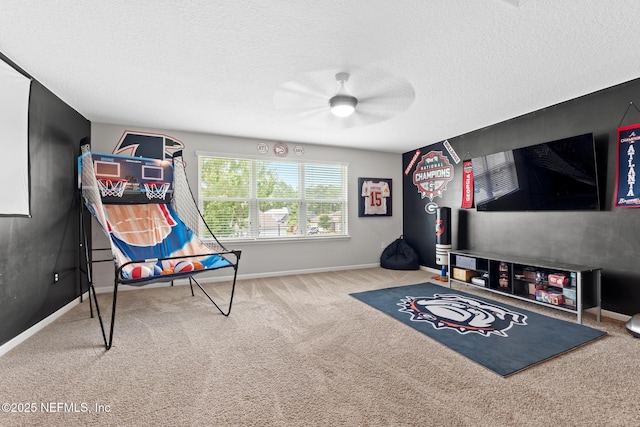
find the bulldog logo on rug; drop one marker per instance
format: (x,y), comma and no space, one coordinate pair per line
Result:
(462,314)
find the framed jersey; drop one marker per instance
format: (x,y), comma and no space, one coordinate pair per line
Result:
(375,197)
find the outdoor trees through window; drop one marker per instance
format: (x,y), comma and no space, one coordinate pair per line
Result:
(270,199)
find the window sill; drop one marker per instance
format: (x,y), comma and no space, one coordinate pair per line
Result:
(267,240)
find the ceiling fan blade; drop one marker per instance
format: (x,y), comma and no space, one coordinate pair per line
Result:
(323,119)
(301,94)
(380,96)
(377,113)
(392,94)
(386,104)
(299,88)
(309,113)
(289,102)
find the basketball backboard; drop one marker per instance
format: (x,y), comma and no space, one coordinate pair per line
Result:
(135,177)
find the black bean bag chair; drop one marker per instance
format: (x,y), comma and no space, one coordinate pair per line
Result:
(399,256)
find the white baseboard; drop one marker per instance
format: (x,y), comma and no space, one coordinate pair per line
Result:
(105,289)
(18,339)
(306,271)
(430,270)
(6,347)
(610,314)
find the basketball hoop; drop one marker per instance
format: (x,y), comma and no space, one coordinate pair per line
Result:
(111,187)
(156,190)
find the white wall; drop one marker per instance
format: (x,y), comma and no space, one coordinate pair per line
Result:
(368,236)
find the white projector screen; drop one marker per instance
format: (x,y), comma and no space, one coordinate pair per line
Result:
(14,141)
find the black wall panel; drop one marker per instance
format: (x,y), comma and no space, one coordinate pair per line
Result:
(35,248)
(607,238)
(419,213)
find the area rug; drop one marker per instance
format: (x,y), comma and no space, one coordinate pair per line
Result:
(500,337)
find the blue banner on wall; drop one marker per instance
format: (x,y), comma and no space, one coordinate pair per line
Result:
(627,193)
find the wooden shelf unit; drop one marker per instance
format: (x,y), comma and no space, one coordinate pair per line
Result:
(518,278)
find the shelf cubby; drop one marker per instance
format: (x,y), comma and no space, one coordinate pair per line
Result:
(566,287)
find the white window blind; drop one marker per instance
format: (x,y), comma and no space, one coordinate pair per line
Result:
(271,199)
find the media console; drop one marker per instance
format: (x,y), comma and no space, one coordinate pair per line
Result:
(566,287)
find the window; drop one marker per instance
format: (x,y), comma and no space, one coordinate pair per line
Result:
(272,199)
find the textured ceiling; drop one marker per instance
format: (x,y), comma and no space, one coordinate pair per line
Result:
(214,66)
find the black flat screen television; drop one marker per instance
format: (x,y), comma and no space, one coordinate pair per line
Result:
(554,176)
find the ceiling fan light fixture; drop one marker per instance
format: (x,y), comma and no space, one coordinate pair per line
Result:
(343,105)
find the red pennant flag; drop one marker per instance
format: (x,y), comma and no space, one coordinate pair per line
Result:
(467,184)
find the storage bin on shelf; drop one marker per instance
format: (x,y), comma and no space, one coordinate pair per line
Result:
(569,295)
(463,274)
(559,280)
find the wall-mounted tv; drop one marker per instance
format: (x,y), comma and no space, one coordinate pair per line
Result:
(554,176)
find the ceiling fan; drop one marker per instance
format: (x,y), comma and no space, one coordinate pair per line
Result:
(338,99)
(342,104)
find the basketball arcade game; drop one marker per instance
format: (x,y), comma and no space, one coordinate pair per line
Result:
(146,209)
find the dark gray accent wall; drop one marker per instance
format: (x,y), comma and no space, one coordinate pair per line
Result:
(33,249)
(607,238)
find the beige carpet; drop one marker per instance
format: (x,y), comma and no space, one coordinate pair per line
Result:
(299,351)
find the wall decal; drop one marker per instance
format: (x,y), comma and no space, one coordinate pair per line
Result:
(407,170)
(432,174)
(281,149)
(263,148)
(451,151)
(145,144)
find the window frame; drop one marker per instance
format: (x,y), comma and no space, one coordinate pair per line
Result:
(254,201)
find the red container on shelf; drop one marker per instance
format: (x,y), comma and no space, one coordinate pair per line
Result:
(558,280)
(555,298)
(542,295)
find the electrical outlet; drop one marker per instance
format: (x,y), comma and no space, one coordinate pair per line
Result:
(56,277)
